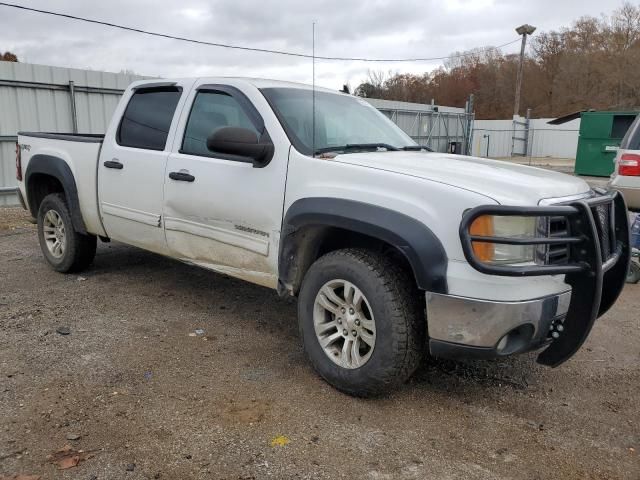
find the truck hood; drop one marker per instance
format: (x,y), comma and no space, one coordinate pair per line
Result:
(505,182)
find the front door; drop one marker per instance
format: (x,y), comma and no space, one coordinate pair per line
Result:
(131,172)
(221,212)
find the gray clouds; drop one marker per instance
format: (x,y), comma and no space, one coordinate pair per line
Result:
(372,28)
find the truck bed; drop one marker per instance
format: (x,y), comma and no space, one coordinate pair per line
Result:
(80,151)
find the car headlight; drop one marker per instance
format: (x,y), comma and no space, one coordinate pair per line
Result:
(506,227)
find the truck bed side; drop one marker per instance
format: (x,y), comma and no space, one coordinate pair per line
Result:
(66,163)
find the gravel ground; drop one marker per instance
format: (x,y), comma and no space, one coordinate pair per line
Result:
(132,392)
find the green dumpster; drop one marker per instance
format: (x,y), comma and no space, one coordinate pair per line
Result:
(600,136)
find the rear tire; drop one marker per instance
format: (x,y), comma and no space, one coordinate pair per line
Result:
(64,249)
(386,311)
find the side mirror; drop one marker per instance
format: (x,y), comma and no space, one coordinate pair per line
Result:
(242,142)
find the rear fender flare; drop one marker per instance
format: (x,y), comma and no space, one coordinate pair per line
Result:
(60,170)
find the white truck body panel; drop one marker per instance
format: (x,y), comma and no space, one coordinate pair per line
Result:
(131,199)
(81,157)
(236,231)
(506,183)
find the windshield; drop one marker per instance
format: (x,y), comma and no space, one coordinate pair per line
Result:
(342,120)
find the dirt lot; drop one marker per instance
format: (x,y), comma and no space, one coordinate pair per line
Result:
(133,384)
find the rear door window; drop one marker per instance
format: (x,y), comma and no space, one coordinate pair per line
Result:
(620,126)
(631,140)
(147,119)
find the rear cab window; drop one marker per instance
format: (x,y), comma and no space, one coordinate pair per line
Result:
(147,118)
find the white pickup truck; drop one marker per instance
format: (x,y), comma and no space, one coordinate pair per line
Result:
(390,249)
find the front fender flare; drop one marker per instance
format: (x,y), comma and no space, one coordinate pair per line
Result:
(413,239)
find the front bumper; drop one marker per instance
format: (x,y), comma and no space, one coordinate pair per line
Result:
(471,327)
(596,240)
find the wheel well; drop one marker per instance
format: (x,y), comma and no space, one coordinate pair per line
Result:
(312,242)
(40,185)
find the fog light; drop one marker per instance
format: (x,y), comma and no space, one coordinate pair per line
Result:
(515,341)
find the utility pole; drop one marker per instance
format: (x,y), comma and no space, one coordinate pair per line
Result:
(523,30)
(469,118)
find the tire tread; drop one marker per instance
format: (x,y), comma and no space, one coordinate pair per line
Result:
(81,249)
(398,288)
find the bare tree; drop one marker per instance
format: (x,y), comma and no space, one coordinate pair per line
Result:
(594,63)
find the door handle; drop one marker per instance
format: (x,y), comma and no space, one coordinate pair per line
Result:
(181,176)
(114,164)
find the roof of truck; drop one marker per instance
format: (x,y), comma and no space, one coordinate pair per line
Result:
(256,82)
(267,83)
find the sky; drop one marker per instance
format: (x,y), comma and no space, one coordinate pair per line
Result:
(371,29)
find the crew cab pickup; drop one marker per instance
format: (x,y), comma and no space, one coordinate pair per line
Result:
(391,250)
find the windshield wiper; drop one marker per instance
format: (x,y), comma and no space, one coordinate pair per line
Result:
(356,146)
(415,148)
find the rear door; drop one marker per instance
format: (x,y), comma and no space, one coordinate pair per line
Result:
(221,212)
(131,169)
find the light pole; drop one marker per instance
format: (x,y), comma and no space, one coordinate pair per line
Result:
(523,30)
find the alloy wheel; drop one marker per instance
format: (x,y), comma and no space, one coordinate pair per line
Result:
(344,324)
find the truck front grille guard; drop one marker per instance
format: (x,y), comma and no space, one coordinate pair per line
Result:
(597,242)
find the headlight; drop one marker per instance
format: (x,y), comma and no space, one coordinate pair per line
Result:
(507,227)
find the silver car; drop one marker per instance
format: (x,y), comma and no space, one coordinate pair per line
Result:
(626,174)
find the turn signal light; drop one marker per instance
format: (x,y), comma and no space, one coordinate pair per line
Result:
(501,226)
(483,227)
(629,165)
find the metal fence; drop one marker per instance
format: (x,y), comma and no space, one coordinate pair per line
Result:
(436,126)
(540,143)
(51,99)
(534,138)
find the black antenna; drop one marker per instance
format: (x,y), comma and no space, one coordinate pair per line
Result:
(313,94)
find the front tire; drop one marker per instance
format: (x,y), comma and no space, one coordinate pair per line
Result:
(361,321)
(64,249)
